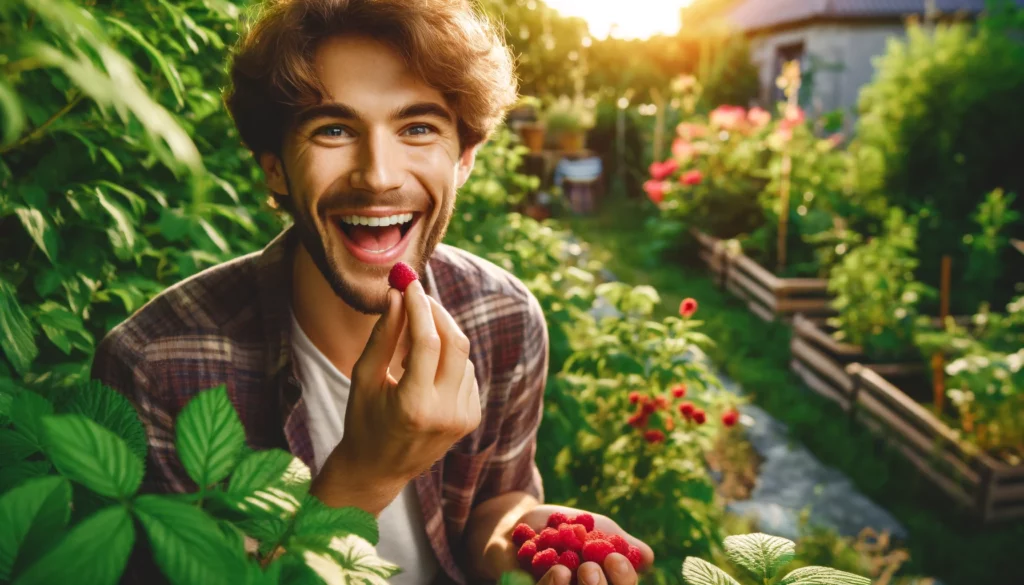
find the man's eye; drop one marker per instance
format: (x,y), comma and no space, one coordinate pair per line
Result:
(332,131)
(419,130)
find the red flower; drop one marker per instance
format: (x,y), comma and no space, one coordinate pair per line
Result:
(687,409)
(730,417)
(759,117)
(794,116)
(661,402)
(663,170)
(648,406)
(638,420)
(654,436)
(683,150)
(728,117)
(691,178)
(688,307)
(699,416)
(655,190)
(634,397)
(679,390)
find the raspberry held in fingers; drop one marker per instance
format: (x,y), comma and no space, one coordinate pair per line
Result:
(596,551)
(634,556)
(401,276)
(543,561)
(526,553)
(585,519)
(620,544)
(570,559)
(522,533)
(556,519)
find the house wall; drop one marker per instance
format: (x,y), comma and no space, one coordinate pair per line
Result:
(850,45)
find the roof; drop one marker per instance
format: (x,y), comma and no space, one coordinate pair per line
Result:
(759,14)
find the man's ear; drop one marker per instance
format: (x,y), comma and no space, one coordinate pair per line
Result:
(466,162)
(273,170)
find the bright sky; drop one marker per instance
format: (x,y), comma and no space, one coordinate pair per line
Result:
(634,18)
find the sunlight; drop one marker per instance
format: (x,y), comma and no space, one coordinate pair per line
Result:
(636,19)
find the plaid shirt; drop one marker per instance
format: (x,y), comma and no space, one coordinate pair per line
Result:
(231,325)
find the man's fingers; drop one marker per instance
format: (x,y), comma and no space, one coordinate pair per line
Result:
(619,570)
(590,573)
(451,367)
(557,575)
(469,396)
(372,364)
(425,342)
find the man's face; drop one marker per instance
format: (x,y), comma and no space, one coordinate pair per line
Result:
(372,170)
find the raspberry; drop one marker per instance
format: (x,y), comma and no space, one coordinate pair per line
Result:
(638,420)
(634,397)
(654,436)
(569,538)
(648,406)
(570,559)
(679,390)
(401,276)
(688,307)
(634,556)
(556,519)
(543,561)
(730,417)
(522,533)
(687,409)
(661,402)
(699,416)
(620,544)
(596,535)
(526,553)
(548,538)
(586,520)
(596,551)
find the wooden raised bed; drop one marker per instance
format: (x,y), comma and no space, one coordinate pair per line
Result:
(993,489)
(768,296)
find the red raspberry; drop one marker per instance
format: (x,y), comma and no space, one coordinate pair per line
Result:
(526,553)
(596,551)
(634,397)
(569,538)
(586,520)
(699,416)
(556,519)
(543,561)
(522,533)
(634,556)
(687,409)
(648,406)
(661,402)
(570,559)
(620,544)
(596,535)
(654,436)
(401,276)
(688,307)
(638,420)
(548,538)
(679,390)
(730,418)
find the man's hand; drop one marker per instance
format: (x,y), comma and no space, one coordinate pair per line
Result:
(616,569)
(395,430)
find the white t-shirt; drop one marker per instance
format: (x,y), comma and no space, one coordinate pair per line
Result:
(403,534)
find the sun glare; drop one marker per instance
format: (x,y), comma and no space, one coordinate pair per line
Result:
(632,19)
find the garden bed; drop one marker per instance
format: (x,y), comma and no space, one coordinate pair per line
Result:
(768,296)
(994,490)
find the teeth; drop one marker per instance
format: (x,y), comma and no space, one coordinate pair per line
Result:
(377,221)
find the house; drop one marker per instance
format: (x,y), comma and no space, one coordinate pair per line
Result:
(835,41)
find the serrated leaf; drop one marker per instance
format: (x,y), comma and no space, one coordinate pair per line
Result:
(274,481)
(27,412)
(40,230)
(823,576)
(91,455)
(95,551)
(267,530)
(12,476)
(209,437)
(17,338)
(700,572)
(14,447)
(319,523)
(358,559)
(188,546)
(761,554)
(113,411)
(234,537)
(29,515)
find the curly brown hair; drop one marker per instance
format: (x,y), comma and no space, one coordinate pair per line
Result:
(446,43)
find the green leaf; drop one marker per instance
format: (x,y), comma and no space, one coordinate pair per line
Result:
(209,437)
(823,576)
(15,447)
(12,476)
(57,322)
(188,546)
(42,233)
(761,554)
(272,480)
(113,411)
(319,523)
(122,235)
(95,551)
(358,560)
(17,337)
(14,116)
(112,160)
(30,514)
(87,453)
(516,578)
(27,412)
(700,572)
(234,537)
(170,73)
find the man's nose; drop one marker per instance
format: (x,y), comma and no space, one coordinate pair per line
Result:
(379,167)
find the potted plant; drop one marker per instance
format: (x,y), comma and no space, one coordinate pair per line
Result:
(568,120)
(525,118)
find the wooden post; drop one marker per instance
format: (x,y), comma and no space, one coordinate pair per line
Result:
(938,362)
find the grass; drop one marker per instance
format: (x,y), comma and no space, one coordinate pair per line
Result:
(943,542)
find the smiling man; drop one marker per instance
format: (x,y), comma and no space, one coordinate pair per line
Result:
(420,407)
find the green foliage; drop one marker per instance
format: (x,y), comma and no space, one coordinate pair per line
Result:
(733,78)
(210,437)
(986,249)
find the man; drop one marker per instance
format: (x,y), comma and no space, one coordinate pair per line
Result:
(421,408)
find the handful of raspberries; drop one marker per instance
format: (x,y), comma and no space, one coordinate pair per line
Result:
(570,542)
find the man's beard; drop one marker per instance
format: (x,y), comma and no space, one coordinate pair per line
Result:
(367,302)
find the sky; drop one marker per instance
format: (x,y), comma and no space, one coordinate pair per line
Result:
(634,18)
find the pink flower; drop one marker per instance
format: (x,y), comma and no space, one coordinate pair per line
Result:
(683,150)
(759,117)
(795,115)
(662,170)
(692,177)
(688,307)
(728,117)
(836,139)
(688,130)
(655,190)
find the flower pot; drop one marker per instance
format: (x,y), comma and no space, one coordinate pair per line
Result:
(572,141)
(533,136)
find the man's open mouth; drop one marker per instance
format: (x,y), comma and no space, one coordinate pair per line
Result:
(376,234)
